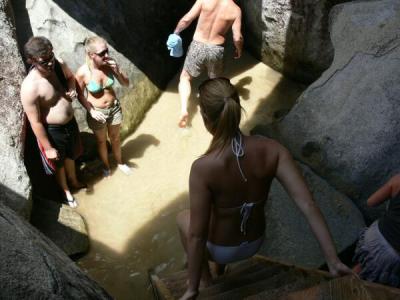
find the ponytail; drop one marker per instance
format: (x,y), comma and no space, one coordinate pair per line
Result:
(221,109)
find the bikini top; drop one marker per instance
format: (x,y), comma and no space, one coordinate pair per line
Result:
(95,87)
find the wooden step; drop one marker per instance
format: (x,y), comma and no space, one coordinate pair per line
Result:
(301,282)
(345,288)
(241,279)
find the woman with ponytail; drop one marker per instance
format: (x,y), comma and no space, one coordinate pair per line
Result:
(228,188)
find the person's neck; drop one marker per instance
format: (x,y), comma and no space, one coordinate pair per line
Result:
(44,74)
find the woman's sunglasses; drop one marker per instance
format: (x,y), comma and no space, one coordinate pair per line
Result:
(102,53)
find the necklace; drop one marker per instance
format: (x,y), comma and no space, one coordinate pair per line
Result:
(238,151)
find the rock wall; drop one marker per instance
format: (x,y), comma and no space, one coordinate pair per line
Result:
(13,176)
(32,267)
(136,31)
(290,36)
(346,125)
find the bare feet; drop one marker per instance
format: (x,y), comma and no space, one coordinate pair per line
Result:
(183,120)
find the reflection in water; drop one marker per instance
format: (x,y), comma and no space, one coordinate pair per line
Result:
(131,219)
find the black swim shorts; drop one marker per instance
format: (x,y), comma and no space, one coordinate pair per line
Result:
(65,138)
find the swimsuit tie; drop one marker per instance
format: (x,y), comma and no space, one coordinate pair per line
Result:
(238,151)
(245,212)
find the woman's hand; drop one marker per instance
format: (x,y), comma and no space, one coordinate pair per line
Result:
(340,269)
(98,115)
(112,64)
(188,295)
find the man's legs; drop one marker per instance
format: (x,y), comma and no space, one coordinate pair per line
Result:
(62,181)
(69,166)
(184,92)
(183,221)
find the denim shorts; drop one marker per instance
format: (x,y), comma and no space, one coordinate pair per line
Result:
(113,116)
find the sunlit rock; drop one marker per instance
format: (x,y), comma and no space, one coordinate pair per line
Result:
(290,36)
(14,181)
(346,125)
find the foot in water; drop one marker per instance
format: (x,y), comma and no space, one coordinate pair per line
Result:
(183,120)
(125,169)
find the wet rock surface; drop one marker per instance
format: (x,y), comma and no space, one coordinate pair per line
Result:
(345,125)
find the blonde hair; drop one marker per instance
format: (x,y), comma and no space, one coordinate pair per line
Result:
(90,47)
(221,109)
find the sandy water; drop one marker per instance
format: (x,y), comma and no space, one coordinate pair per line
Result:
(131,219)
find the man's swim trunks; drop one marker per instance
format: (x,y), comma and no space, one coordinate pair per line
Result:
(202,56)
(65,138)
(113,116)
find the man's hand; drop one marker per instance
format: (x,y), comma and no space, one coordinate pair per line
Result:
(51,154)
(71,94)
(98,115)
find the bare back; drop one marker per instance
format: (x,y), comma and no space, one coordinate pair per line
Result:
(215,19)
(46,96)
(229,191)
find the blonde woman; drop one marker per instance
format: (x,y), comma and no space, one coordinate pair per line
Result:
(104,115)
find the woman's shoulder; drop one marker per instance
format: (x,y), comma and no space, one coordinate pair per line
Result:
(83,71)
(264,142)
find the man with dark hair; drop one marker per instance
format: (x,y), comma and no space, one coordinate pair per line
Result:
(206,51)
(46,96)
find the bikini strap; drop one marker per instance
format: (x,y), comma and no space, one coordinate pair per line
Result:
(238,151)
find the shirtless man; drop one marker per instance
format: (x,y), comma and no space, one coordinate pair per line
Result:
(46,96)
(206,50)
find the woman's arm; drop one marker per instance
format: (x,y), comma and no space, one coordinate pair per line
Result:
(292,180)
(80,88)
(121,77)
(200,211)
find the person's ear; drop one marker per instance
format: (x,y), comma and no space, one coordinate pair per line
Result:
(29,60)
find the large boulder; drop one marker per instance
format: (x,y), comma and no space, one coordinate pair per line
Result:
(288,236)
(14,181)
(346,125)
(62,224)
(136,31)
(290,36)
(32,267)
